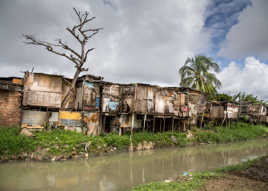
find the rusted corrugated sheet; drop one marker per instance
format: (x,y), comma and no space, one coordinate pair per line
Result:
(256,109)
(111,98)
(42,90)
(168,101)
(125,120)
(127,98)
(37,119)
(91,96)
(34,119)
(232,110)
(144,102)
(91,119)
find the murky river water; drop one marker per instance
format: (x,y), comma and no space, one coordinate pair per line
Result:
(122,171)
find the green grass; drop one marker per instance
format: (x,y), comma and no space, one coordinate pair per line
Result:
(72,143)
(195,181)
(237,132)
(11,142)
(67,142)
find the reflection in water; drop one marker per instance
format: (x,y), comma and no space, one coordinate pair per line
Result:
(122,171)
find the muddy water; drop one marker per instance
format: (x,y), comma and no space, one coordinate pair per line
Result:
(122,171)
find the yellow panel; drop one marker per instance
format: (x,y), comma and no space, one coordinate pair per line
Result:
(17,81)
(69,115)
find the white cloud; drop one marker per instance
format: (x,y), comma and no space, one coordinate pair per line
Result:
(144,41)
(252,78)
(249,36)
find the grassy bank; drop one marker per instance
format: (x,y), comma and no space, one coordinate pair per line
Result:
(236,177)
(59,144)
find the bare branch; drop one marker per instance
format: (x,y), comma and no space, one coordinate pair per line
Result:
(49,46)
(92,30)
(66,47)
(89,50)
(88,20)
(74,34)
(78,13)
(90,36)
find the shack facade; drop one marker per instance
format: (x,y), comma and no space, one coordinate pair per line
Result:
(100,106)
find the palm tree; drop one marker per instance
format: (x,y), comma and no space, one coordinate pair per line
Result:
(197,73)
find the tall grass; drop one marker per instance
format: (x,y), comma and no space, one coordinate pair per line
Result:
(67,142)
(237,132)
(11,142)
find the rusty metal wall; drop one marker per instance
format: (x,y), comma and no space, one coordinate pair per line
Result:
(111,98)
(91,96)
(87,96)
(232,110)
(91,119)
(127,98)
(34,119)
(144,102)
(256,110)
(168,101)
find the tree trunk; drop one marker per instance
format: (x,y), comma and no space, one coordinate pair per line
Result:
(68,95)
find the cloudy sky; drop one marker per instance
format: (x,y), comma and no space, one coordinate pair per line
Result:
(144,40)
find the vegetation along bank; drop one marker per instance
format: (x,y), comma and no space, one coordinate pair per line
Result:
(251,175)
(63,145)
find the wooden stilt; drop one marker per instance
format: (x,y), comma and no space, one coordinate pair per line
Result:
(104,123)
(164,125)
(144,122)
(120,131)
(132,123)
(154,124)
(172,125)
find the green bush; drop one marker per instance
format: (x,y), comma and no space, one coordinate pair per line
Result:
(11,142)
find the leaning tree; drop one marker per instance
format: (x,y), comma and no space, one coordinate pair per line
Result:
(81,33)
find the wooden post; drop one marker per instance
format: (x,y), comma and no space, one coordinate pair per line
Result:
(132,123)
(160,125)
(164,126)
(153,124)
(104,122)
(120,131)
(202,119)
(172,124)
(144,122)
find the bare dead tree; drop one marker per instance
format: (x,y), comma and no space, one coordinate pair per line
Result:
(81,34)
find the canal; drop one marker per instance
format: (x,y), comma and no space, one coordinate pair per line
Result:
(123,171)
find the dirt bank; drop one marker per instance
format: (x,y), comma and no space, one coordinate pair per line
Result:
(253,178)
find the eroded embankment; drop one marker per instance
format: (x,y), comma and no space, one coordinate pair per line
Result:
(251,175)
(63,145)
